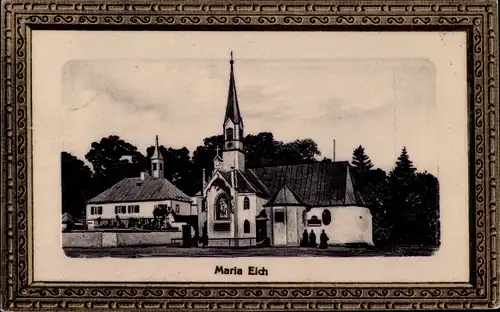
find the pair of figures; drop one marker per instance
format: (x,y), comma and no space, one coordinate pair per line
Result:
(309,240)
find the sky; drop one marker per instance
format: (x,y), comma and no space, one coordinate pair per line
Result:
(382,103)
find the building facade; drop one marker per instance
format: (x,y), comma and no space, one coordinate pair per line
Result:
(242,206)
(141,200)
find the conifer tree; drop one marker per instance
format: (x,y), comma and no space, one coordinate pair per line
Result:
(360,160)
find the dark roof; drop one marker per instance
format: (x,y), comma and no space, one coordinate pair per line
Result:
(315,184)
(135,189)
(246,182)
(284,197)
(232,108)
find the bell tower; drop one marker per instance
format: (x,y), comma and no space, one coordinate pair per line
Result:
(157,164)
(233,155)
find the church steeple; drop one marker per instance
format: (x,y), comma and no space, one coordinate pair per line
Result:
(233,156)
(157,162)
(232,108)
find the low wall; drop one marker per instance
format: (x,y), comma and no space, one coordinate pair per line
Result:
(114,239)
(82,239)
(153,238)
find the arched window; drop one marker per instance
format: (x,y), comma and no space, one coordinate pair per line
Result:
(246,227)
(241,134)
(229,134)
(246,203)
(222,207)
(304,217)
(326,217)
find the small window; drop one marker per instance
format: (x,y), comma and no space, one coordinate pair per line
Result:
(120,209)
(99,210)
(177,208)
(136,209)
(155,166)
(161,166)
(92,210)
(241,134)
(279,216)
(326,217)
(246,227)
(246,203)
(229,134)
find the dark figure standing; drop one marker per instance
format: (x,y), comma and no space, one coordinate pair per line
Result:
(312,239)
(305,239)
(323,240)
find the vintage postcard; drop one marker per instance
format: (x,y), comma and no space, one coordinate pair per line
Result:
(169,158)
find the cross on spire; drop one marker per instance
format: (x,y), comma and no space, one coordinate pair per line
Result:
(217,151)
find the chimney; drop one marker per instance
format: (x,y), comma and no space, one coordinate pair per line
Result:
(333,150)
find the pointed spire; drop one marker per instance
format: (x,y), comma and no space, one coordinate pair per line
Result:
(156,153)
(232,108)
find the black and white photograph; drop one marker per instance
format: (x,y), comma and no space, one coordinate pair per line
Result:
(248,156)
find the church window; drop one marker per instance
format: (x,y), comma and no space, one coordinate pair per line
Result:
(222,207)
(161,167)
(241,134)
(154,166)
(246,203)
(246,227)
(279,216)
(326,217)
(304,217)
(204,205)
(229,134)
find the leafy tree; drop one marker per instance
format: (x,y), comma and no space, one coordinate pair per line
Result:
(360,160)
(76,182)
(106,157)
(298,151)
(177,166)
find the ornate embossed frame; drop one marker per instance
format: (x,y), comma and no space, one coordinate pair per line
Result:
(479,19)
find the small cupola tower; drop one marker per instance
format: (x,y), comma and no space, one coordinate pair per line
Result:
(157,166)
(233,155)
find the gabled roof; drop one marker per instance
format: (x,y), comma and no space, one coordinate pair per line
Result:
(314,184)
(66,217)
(284,197)
(245,182)
(232,108)
(137,190)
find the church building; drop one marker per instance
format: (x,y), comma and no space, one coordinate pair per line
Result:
(242,206)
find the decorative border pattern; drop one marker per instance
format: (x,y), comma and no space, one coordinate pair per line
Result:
(478,18)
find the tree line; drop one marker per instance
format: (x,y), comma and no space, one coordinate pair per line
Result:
(404,202)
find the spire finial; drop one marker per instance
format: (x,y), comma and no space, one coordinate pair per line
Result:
(157,139)
(231,61)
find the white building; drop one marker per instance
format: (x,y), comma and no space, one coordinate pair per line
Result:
(137,198)
(242,206)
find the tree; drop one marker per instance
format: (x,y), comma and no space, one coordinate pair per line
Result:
(106,157)
(76,182)
(404,170)
(360,160)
